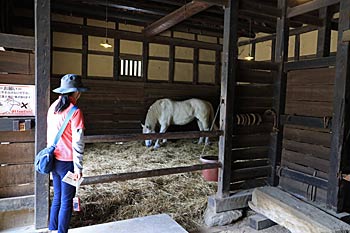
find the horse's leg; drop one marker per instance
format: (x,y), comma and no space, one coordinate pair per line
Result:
(163,128)
(205,127)
(201,128)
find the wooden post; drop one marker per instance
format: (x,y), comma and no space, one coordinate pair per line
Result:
(281,56)
(228,80)
(116,55)
(324,33)
(273,49)
(145,55)
(195,66)
(253,50)
(297,48)
(341,114)
(42,82)
(217,66)
(84,57)
(171,60)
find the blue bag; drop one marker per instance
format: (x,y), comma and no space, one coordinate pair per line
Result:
(45,158)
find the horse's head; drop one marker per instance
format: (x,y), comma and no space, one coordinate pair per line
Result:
(145,130)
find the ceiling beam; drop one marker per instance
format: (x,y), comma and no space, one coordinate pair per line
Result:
(176,17)
(259,7)
(215,2)
(309,6)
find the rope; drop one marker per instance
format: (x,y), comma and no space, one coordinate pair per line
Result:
(211,127)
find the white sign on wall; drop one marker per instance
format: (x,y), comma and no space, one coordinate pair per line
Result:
(17,100)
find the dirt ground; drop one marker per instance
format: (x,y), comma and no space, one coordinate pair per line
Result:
(182,196)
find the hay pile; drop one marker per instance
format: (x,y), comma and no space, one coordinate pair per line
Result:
(182,196)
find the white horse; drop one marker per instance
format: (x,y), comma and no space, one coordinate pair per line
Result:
(165,112)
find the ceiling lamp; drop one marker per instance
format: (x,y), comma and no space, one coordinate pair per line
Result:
(105,43)
(249,57)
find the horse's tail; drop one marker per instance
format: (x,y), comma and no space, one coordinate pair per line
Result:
(212,118)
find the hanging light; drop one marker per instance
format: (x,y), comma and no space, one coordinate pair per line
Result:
(105,43)
(249,57)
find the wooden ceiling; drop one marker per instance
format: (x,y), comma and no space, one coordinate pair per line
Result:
(205,17)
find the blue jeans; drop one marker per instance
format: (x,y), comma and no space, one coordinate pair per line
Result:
(62,204)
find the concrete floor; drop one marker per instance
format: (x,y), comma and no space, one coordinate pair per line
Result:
(161,223)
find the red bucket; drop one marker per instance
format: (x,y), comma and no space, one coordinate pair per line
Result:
(210,174)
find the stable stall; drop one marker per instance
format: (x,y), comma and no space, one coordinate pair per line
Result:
(276,71)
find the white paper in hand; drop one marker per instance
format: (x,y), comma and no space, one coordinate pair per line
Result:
(69,179)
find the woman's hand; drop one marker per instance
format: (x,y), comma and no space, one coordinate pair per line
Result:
(77,176)
(346,177)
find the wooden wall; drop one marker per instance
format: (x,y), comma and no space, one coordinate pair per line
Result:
(251,143)
(305,149)
(17,147)
(119,107)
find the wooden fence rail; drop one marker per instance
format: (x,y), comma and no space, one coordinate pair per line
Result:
(152,136)
(144,174)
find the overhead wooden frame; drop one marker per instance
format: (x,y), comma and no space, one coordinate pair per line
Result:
(176,17)
(309,6)
(215,2)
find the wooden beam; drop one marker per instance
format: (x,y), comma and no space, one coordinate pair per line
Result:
(175,17)
(314,122)
(259,7)
(145,174)
(171,63)
(310,63)
(116,58)
(228,79)
(195,66)
(324,33)
(341,115)
(42,82)
(303,177)
(84,52)
(297,48)
(293,213)
(296,31)
(16,41)
(309,6)
(151,136)
(215,2)
(135,36)
(280,84)
(145,60)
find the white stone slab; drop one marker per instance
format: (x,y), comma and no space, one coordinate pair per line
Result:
(161,223)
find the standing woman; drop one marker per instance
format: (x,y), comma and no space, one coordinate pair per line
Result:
(69,150)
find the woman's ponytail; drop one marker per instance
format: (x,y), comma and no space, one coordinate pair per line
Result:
(63,102)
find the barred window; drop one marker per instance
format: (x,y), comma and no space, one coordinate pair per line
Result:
(131,68)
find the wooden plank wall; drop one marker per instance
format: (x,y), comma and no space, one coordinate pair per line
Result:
(307,150)
(118,107)
(251,143)
(17,147)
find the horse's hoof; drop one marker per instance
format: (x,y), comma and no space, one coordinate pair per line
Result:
(156,146)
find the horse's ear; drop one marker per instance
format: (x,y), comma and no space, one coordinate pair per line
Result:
(142,125)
